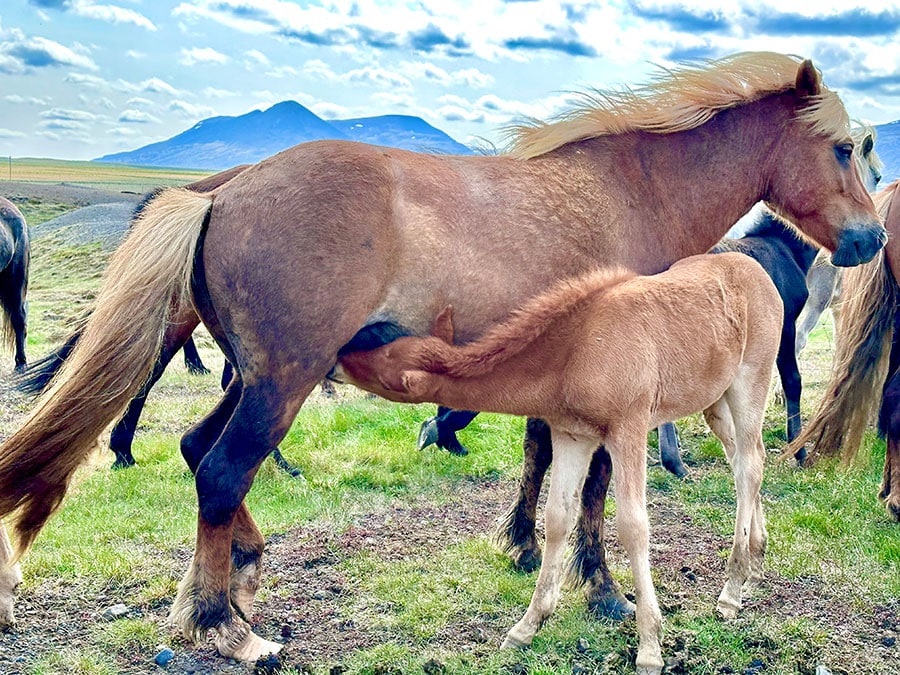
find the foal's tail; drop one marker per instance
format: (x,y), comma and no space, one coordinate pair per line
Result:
(148,277)
(864,333)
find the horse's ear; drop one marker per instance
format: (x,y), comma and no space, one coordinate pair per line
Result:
(868,145)
(443,325)
(808,81)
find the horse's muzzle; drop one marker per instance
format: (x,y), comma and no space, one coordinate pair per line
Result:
(857,245)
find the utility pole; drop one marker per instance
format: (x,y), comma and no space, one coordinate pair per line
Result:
(10,167)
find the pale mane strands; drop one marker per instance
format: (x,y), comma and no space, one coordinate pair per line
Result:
(681,99)
(523,326)
(858,132)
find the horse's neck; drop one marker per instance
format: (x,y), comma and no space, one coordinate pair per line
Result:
(685,190)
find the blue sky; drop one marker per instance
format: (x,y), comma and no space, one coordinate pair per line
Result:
(83,78)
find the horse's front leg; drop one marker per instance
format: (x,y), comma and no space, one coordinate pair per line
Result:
(889,421)
(589,566)
(515,532)
(570,467)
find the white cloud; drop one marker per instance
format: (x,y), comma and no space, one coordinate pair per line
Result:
(213,92)
(195,55)
(191,110)
(132,116)
(31,100)
(138,101)
(135,54)
(468,77)
(20,54)
(255,57)
(9,133)
(68,115)
(157,86)
(373,75)
(110,13)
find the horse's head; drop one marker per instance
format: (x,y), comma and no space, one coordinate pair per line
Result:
(868,163)
(813,180)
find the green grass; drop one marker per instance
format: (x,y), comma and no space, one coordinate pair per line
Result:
(101,175)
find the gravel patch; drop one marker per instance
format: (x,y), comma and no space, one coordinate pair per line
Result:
(104,223)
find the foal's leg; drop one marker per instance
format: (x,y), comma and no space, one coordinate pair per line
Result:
(627,447)
(746,400)
(260,420)
(441,430)
(821,280)
(515,531)
(589,560)
(889,421)
(570,467)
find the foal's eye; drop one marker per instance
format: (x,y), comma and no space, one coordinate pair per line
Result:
(844,151)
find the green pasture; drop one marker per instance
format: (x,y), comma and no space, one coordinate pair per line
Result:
(129,534)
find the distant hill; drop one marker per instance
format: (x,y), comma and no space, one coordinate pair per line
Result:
(223,142)
(887,145)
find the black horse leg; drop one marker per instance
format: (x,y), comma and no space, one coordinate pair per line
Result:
(192,359)
(589,566)
(670,450)
(122,436)
(290,469)
(12,298)
(789,373)
(515,533)
(441,430)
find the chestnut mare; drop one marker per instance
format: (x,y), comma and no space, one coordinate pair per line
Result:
(603,359)
(866,360)
(287,261)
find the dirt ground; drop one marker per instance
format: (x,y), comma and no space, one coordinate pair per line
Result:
(306,611)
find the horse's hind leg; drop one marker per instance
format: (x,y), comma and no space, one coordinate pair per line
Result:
(746,401)
(791,382)
(12,297)
(589,566)
(515,532)
(261,418)
(570,467)
(192,359)
(889,419)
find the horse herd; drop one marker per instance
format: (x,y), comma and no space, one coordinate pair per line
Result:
(564,281)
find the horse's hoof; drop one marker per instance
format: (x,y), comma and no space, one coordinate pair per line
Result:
(526,560)
(613,606)
(455,448)
(123,463)
(513,641)
(727,609)
(428,433)
(893,508)
(248,647)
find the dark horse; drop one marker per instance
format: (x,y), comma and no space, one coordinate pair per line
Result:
(289,260)
(786,258)
(15,255)
(866,361)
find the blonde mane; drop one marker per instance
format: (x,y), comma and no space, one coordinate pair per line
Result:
(681,99)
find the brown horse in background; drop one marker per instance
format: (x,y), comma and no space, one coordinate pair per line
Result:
(866,360)
(603,359)
(290,259)
(15,256)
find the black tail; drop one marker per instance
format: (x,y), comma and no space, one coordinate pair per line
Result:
(37,376)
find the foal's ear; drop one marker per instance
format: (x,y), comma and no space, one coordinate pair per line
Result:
(868,145)
(443,325)
(808,81)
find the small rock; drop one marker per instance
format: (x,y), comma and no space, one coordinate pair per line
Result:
(582,646)
(757,664)
(888,641)
(434,667)
(321,594)
(822,670)
(578,669)
(337,670)
(114,612)
(286,631)
(164,656)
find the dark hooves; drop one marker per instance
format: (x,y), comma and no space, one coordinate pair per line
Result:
(454,447)
(428,433)
(675,468)
(800,456)
(123,463)
(527,561)
(198,370)
(286,466)
(612,606)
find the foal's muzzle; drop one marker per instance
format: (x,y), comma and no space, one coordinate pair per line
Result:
(857,245)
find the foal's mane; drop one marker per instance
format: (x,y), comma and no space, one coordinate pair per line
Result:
(680,99)
(524,326)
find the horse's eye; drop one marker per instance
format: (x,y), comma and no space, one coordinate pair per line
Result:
(844,151)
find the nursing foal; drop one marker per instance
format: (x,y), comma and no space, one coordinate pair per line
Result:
(603,359)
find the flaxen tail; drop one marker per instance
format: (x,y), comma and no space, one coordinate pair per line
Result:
(864,333)
(148,277)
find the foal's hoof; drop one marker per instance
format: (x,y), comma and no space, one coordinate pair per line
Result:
(612,606)
(428,433)
(727,609)
(893,508)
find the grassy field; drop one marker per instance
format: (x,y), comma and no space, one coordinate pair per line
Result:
(412,599)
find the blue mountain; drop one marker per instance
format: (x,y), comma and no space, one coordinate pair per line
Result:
(221,142)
